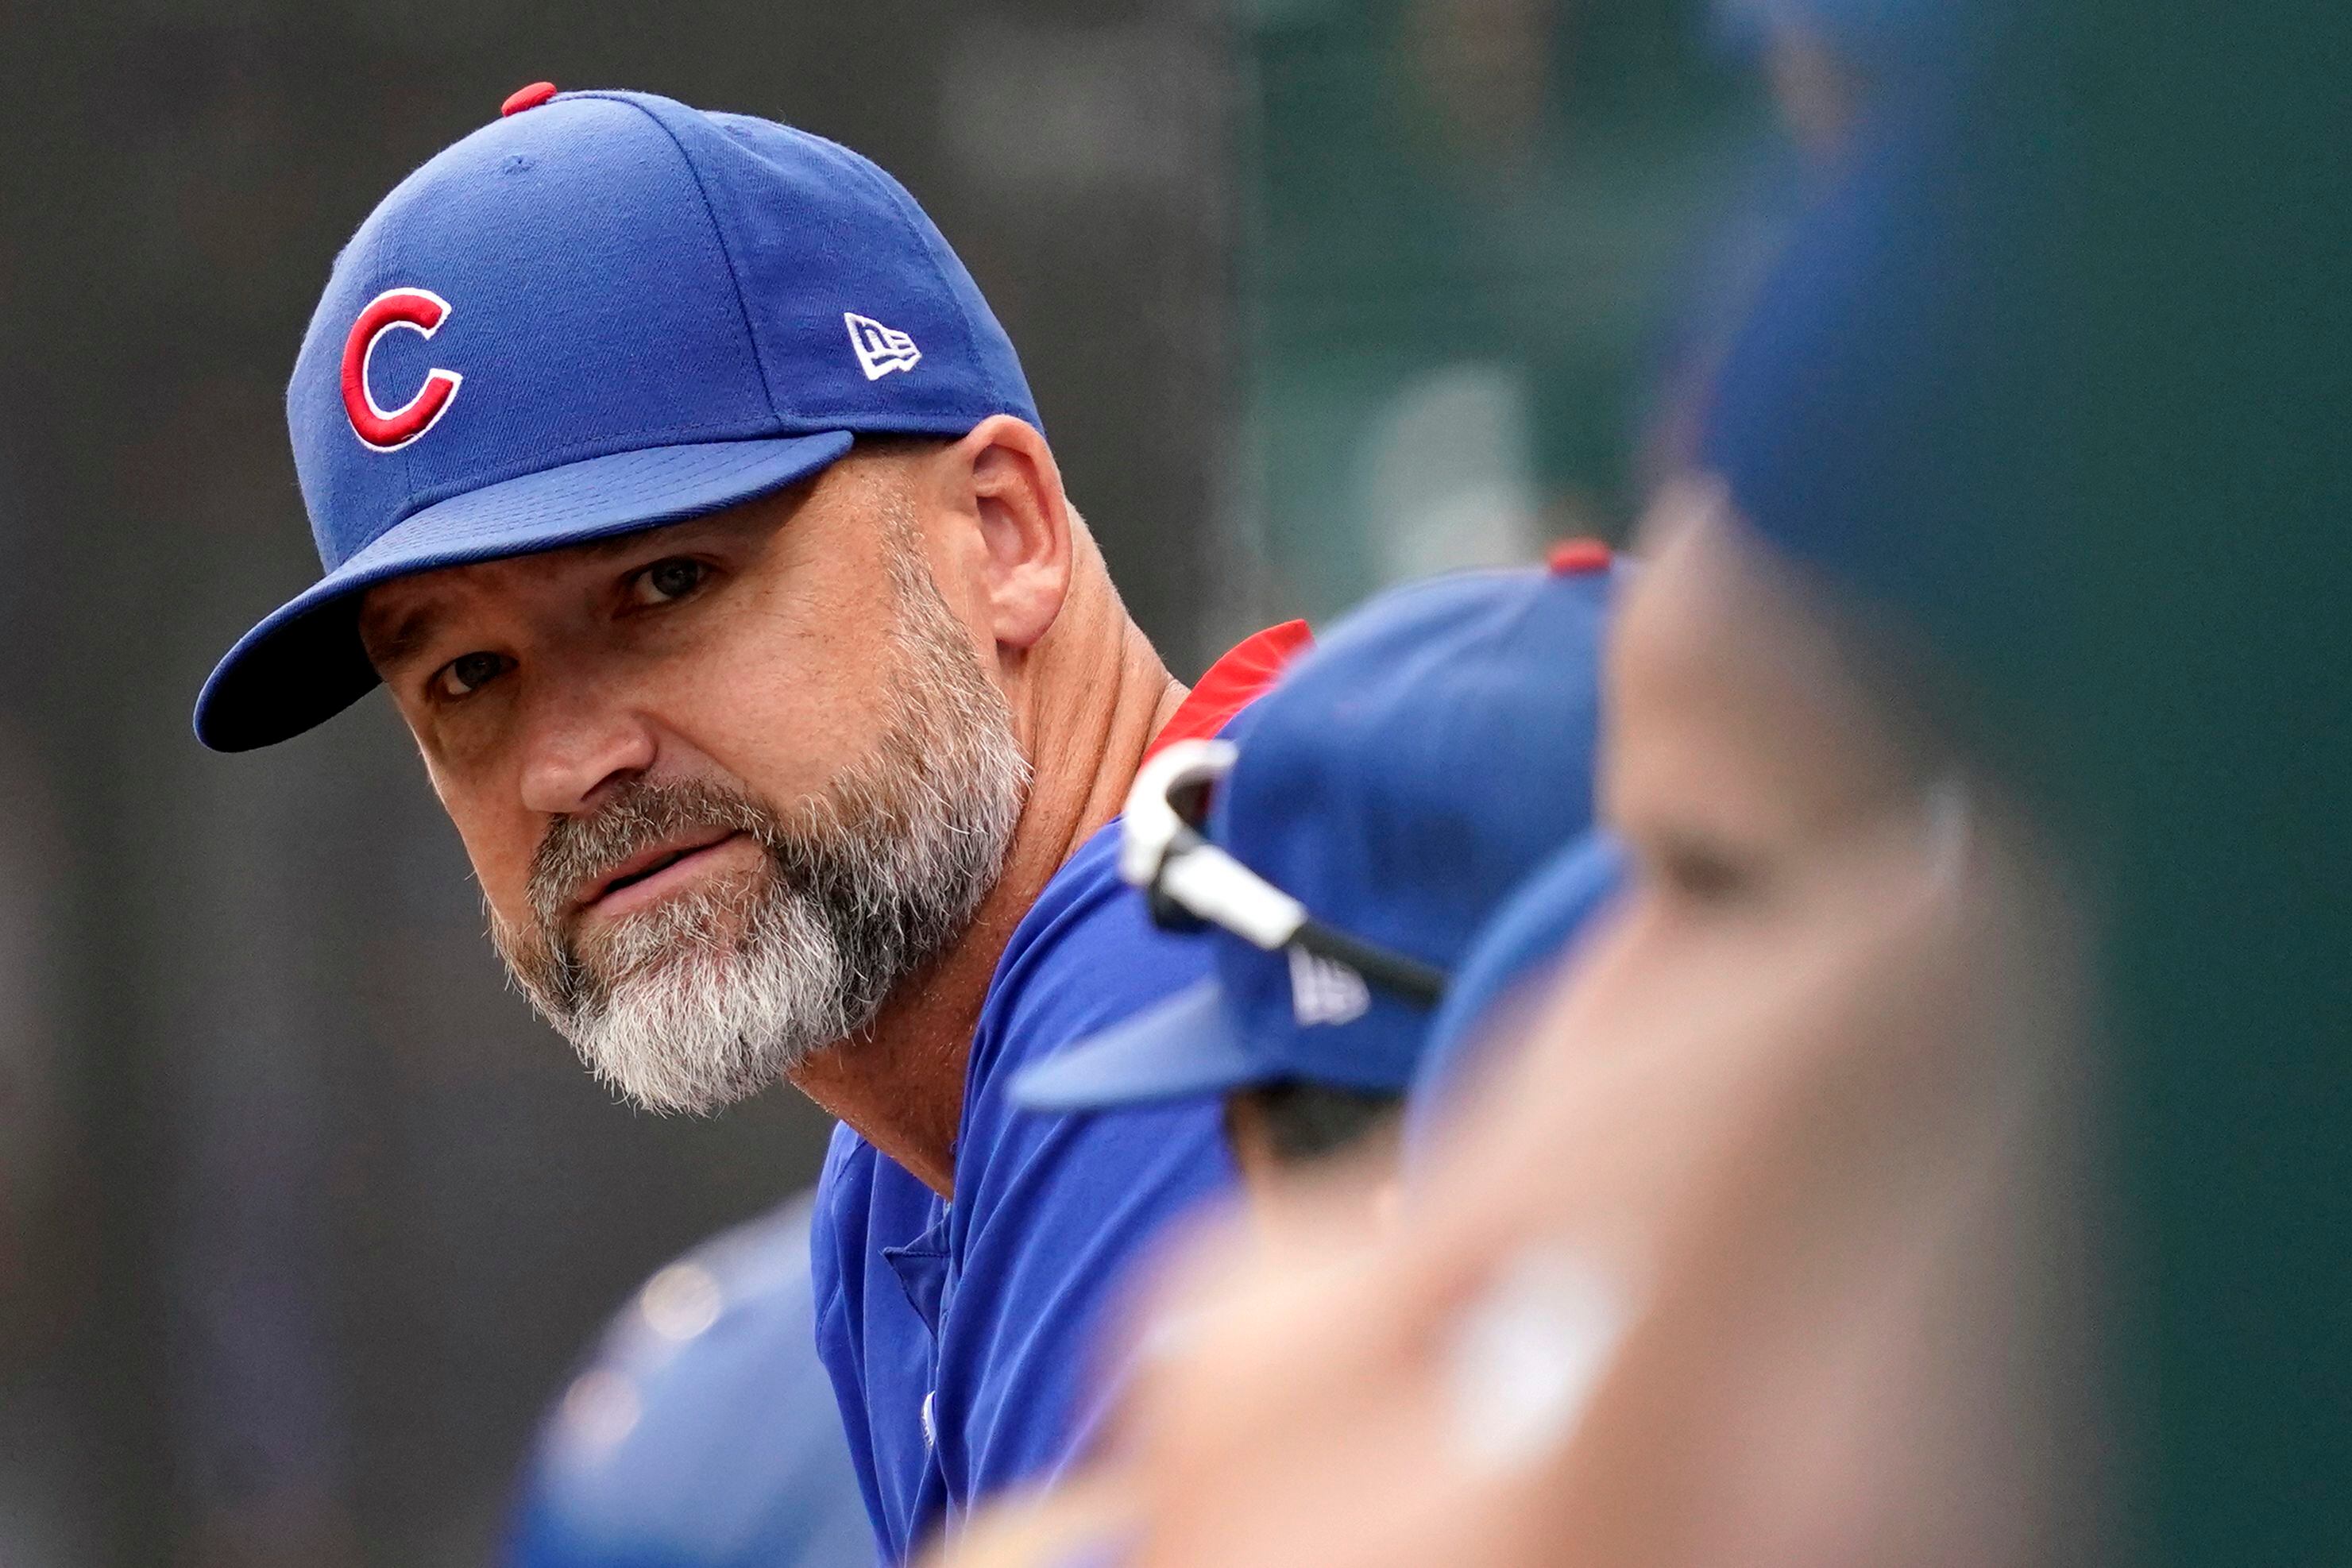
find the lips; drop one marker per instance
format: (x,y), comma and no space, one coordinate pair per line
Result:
(649,862)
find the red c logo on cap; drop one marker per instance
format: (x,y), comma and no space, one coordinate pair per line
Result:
(387,429)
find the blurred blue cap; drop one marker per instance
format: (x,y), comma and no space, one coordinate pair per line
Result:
(1900,385)
(704,1433)
(1399,781)
(1527,942)
(602,312)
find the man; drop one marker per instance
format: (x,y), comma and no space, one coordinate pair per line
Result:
(672,475)
(1375,809)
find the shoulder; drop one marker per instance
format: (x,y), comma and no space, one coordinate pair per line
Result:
(1050,1211)
(1085,956)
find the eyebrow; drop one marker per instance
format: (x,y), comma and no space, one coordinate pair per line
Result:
(408,634)
(418,626)
(621,544)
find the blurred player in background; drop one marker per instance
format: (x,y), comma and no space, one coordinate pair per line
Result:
(1373,810)
(703,1433)
(1832,69)
(675,478)
(1828,63)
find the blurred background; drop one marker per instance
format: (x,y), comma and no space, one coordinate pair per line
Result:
(302,1216)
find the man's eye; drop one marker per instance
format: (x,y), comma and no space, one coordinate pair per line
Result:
(468,673)
(1702,872)
(665,581)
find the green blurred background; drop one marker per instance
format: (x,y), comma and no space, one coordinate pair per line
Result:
(1469,229)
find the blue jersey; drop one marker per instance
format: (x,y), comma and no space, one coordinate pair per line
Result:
(958,1335)
(703,1434)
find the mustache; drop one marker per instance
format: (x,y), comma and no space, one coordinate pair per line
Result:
(642,813)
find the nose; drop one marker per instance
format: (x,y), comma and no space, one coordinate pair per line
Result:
(579,748)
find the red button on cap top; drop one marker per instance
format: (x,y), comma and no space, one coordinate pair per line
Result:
(524,98)
(1577,556)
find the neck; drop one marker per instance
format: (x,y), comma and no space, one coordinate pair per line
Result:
(900,1085)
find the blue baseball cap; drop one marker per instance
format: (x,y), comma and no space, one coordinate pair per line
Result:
(1420,763)
(604,311)
(702,1433)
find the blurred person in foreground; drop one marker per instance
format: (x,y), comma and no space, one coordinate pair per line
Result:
(703,1432)
(2045,485)
(1764,1253)
(1340,853)
(1773,1245)
(677,482)
(1521,956)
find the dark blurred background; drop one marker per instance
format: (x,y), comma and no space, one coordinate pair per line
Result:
(302,1215)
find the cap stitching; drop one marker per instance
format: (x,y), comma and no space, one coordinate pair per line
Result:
(900,199)
(718,232)
(408,452)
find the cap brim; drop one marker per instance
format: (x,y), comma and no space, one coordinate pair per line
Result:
(1184,1049)
(303,664)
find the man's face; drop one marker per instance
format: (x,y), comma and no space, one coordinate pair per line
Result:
(1797,1115)
(725,784)
(1757,785)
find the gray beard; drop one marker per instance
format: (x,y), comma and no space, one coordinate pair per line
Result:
(711,996)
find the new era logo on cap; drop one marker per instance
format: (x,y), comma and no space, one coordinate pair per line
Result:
(1323,991)
(880,349)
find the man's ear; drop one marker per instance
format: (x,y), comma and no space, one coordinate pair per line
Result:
(1024,527)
